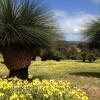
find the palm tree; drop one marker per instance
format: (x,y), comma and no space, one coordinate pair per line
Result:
(93,32)
(25,25)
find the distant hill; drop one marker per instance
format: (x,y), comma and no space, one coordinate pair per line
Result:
(73,42)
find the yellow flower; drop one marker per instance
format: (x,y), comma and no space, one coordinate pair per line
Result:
(29,95)
(1,94)
(45,88)
(45,95)
(21,97)
(30,76)
(85,98)
(14,97)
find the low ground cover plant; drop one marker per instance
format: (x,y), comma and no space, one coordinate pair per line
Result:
(17,89)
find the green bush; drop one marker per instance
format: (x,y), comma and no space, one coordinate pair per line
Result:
(51,55)
(73,56)
(91,56)
(88,55)
(83,55)
(71,53)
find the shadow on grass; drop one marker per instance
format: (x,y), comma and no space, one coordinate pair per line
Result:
(84,62)
(37,77)
(40,77)
(2,62)
(88,74)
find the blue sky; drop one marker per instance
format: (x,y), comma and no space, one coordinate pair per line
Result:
(72,15)
(71,6)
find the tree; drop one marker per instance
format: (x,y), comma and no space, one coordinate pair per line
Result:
(24,26)
(83,55)
(93,33)
(51,54)
(91,56)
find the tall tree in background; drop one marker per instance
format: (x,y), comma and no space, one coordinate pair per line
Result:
(93,32)
(25,25)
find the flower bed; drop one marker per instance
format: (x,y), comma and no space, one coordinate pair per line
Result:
(16,89)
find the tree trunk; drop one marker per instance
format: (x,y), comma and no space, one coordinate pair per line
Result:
(90,60)
(20,73)
(43,58)
(83,60)
(34,58)
(94,59)
(17,61)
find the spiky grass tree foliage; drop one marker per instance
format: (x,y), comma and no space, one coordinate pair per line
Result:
(24,26)
(93,32)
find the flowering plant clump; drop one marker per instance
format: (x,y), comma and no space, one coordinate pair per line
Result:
(17,89)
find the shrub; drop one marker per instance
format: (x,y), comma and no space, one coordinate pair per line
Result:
(51,55)
(88,55)
(91,56)
(16,89)
(83,55)
(72,53)
(73,56)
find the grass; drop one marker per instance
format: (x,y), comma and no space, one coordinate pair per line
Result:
(84,75)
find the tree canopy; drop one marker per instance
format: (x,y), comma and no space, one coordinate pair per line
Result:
(93,33)
(26,23)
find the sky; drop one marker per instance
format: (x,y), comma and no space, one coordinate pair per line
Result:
(73,15)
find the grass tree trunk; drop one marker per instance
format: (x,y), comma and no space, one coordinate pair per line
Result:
(83,60)
(90,60)
(17,61)
(20,73)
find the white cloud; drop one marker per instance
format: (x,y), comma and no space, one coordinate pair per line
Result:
(72,25)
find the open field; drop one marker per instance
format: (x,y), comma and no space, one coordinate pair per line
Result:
(84,75)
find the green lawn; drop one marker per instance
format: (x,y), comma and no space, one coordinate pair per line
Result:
(84,75)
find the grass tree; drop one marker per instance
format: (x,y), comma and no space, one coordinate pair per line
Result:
(25,25)
(93,32)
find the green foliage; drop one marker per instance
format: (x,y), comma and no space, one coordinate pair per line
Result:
(71,53)
(91,56)
(93,33)
(51,54)
(88,55)
(97,52)
(83,54)
(26,23)
(73,56)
